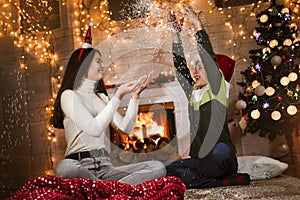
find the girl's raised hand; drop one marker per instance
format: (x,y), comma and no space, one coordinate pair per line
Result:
(143,82)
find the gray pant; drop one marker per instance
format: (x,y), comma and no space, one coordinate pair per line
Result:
(100,168)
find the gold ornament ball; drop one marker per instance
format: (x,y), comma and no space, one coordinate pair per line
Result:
(283,148)
(284,81)
(276,60)
(240,104)
(292,110)
(259,90)
(276,115)
(264,18)
(270,91)
(255,114)
(293,76)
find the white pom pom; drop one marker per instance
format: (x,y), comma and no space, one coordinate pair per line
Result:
(91,24)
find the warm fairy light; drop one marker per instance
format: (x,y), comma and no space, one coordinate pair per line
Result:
(293,76)
(270,91)
(284,81)
(255,114)
(276,115)
(292,110)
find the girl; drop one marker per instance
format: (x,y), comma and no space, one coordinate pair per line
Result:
(83,109)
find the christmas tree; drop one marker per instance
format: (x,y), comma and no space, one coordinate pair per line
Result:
(271,84)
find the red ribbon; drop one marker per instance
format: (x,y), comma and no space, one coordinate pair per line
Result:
(80,54)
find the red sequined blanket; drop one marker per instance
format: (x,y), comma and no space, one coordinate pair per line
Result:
(53,187)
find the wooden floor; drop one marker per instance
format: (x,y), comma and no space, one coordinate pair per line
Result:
(294,164)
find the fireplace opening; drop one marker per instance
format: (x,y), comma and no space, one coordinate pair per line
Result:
(153,136)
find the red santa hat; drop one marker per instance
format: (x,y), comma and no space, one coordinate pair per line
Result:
(87,43)
(226,65)
(88,38)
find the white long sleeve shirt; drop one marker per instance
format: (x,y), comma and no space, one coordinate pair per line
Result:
(87,118)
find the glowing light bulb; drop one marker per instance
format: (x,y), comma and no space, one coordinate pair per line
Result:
(291,110)
(255,114)
(276,115)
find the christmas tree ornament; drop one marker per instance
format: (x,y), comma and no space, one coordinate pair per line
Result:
(257,67)
(266,105)
(291,110)
(266,50)
(297,88)
(270,27)
(284,81)
(283,148)
(254,98)
(296,42)
(287,42)
(276,115)
(287,17)
(285,11)
(255,114)
(249,89)
(264,18)
(270,91)
(265,57)
(293,26)
(255,83)
(293,76)
(279,98)
(273,43)
(243,123)
(259,90)
(289,93)
(276,60)
(240,104)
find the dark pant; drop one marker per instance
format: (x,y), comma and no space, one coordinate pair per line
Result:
(204,172)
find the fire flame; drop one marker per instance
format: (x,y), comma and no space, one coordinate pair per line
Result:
(145,126)
(150,128)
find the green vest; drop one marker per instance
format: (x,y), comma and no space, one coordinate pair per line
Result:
(209,95)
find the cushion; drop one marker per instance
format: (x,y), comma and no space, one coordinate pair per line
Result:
(260,167)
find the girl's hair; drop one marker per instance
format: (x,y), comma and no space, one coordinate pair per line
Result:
(76,69)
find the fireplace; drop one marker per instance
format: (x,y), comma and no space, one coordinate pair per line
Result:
(169,99)
(153,137)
